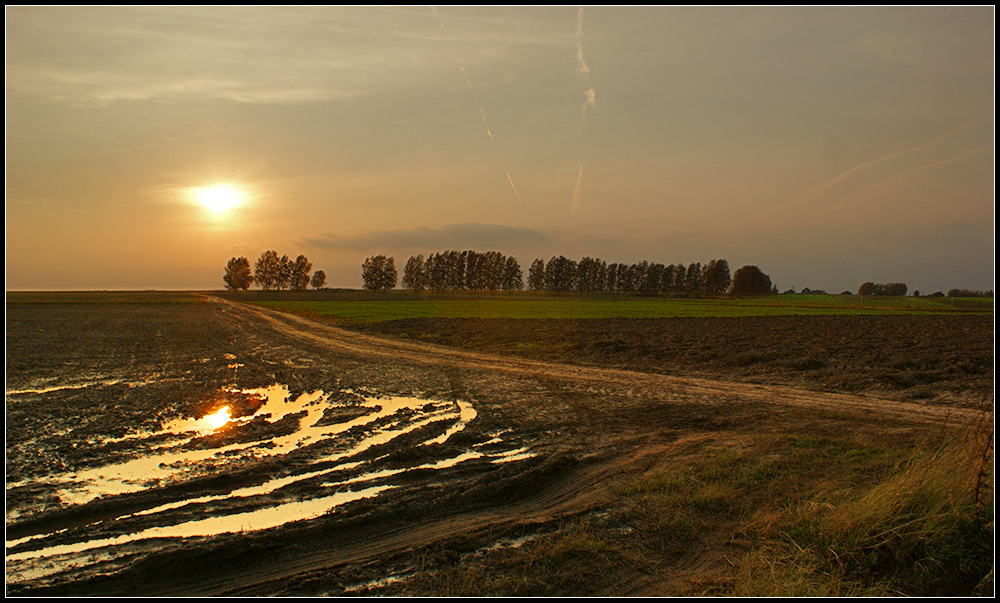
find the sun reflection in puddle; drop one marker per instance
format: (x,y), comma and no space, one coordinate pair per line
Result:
(367,423)
(204,425)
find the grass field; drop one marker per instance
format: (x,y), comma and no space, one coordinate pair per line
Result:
(362,307)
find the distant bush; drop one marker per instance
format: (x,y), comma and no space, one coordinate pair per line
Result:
(968,293)
(870,288)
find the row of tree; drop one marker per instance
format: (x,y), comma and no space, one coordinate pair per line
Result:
(493,271)
(463,271)
(595,275)
(272,272)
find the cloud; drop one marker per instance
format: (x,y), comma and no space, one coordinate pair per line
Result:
(93,56)
(893,166)
(590,101)
(581,65)
(472,235)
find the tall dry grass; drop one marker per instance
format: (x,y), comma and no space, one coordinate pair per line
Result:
(927,529)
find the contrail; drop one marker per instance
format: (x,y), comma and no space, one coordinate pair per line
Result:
(581,65)
(589,95)
(518,195)
(819,190)
(582,69)
(575,207)
(589,102)
(482,112)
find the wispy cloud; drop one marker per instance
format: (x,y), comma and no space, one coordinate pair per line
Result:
(582,70)
(892,166)
(99,55)
(581,65)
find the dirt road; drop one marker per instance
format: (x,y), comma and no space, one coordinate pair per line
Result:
(328,336)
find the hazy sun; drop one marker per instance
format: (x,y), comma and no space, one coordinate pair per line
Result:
(218,198)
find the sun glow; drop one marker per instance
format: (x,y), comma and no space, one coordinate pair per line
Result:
(216,420)
(218,198)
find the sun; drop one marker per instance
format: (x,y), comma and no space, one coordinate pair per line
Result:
(219,198)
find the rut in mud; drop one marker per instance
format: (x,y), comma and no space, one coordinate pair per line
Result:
(216,448)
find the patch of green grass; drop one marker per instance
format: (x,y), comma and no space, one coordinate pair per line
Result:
(362,307)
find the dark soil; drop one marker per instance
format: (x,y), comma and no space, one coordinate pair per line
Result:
(949,358)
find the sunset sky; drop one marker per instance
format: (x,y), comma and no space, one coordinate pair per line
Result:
(828,146)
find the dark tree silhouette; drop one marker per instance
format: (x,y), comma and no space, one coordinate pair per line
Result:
(536,275)
(238,275)
(749,280)
(414,278)
(300,273)
(285,267)
(379,273)
(513,279)
(267,270)
(318,279)
(716,277)
(692,280)
(560,274)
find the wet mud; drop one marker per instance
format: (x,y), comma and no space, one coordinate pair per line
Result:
(140,431)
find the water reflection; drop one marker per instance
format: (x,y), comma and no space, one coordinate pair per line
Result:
(204,425)
(333,468)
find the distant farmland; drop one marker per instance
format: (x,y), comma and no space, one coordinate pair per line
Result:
(364,307)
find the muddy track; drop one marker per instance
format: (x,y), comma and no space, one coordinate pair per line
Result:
(565,498)
(360,344)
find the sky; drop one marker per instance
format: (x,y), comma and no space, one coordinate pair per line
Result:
(828,146)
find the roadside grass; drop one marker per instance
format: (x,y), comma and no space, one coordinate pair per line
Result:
(360,307)
(795,514)
(925,530)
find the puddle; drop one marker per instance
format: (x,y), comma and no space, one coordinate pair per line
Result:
(340,475)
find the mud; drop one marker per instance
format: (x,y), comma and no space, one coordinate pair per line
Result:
(342,454)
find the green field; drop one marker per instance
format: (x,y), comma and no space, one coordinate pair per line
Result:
(363,307)
(355,306)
